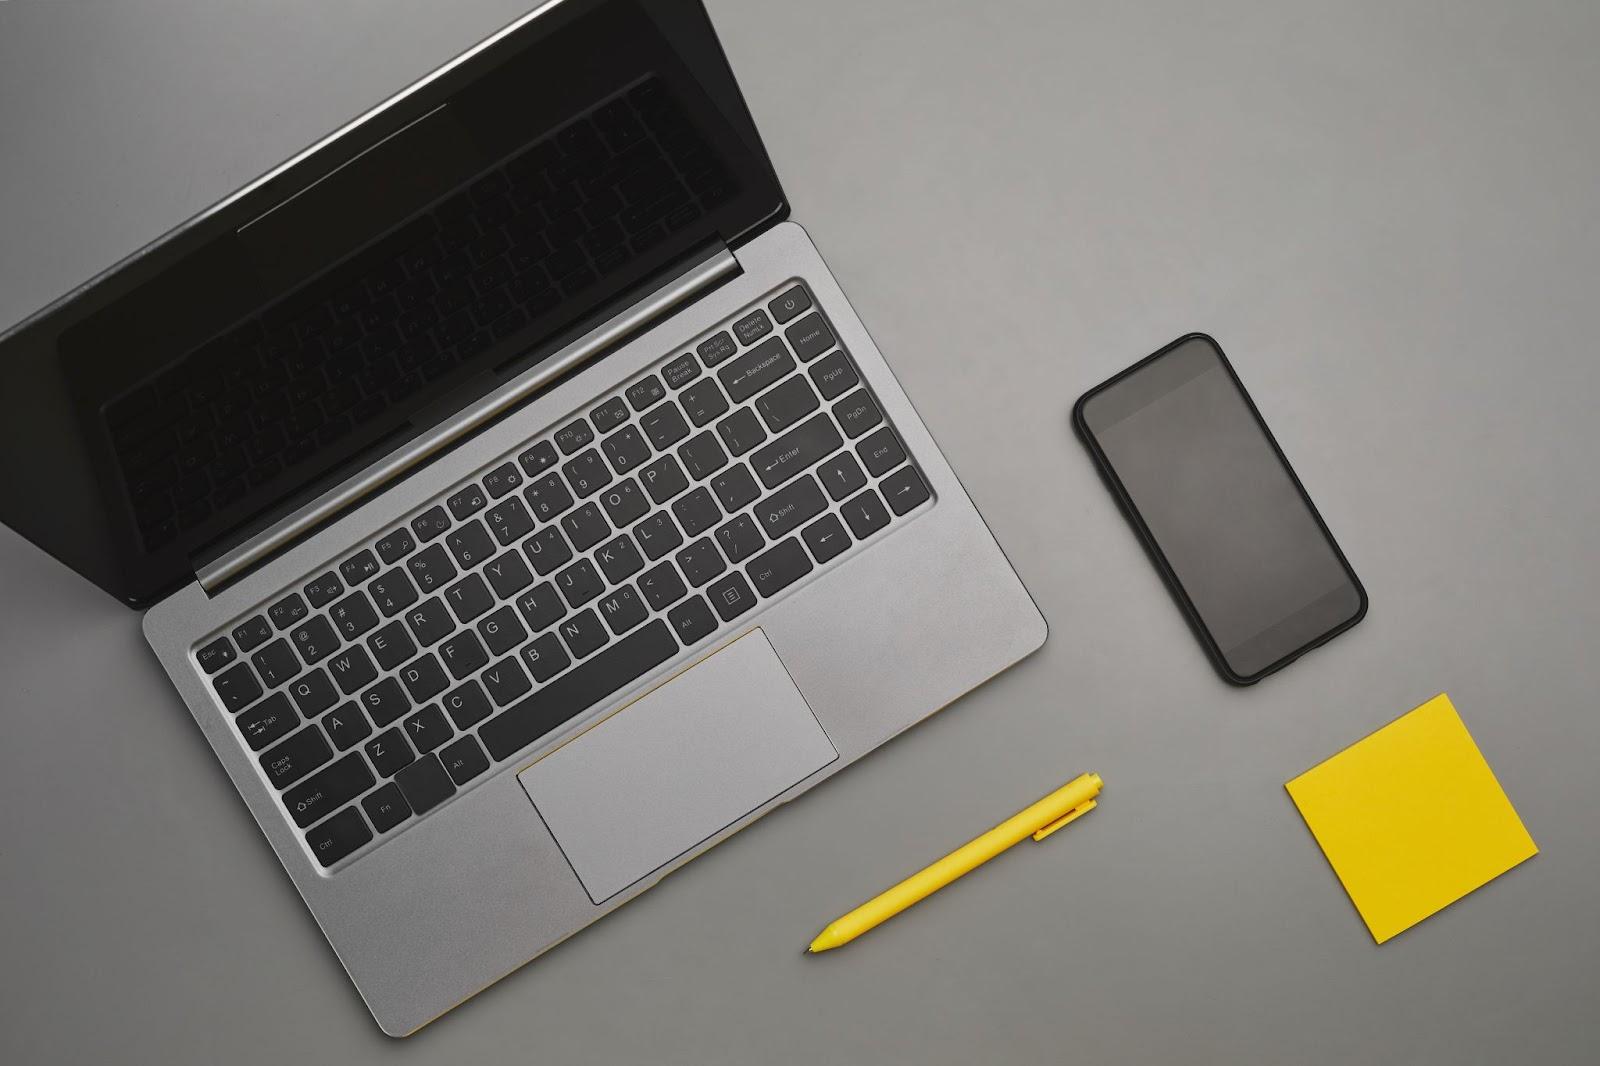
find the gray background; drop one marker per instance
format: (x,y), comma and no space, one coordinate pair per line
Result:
(1385,212)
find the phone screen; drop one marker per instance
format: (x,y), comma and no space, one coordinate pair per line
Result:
(1220,506)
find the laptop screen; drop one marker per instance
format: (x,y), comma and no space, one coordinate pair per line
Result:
(372,287)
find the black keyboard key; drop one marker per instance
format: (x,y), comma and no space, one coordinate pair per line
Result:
(287,611)
(585,527)
(467,502)
(466,705)
(740,538)
(542,608)
(353,615)
(573,435)
(267,721)
(752,327)
(641,394)
(833,376)
(507,575)
(789,507)
(703,401)
(753,371)
(470,544)
(463,760)
(618,558)
(251,634)
(622,610)
(548,497)
(703,456)
(295,757)
(609,671)
(624,502)
(324,589)
(396,546)
(431,568)
(692,621)
(664,425)
(216,655)
(387,807)
(795,451)
(315,640)
(276,663)
(424,678)
(430,523)
(681,371)
(587,473)
(546,550)
(505,681)
(583,633)
(425,784)
(881,452)
(385,702)
(787,404)
(328,789)
(826,537)
(779,567)
(509,520)
(841,475)
(360,567)
(789,303)
(392,592)
(313,693)
(663,479)
(502,630)
(463,654)
(857,413)
(427,729)
(809,337)
(657,535)
(701,562)
(580,583)
(661,586)
(430,621)
(346,726)
(903,489)
(537,459)
(389,752)
(731,596)
(352,669)
(470,597)
(338,837)
(391,645)
(715,348)
(697,512)
(741,431)
(546,658)
(626,448)
(609,415)
(502,479)
(865,514)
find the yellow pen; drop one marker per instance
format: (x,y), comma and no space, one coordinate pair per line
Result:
(1070,801)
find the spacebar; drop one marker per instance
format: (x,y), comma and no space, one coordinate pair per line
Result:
(577,690)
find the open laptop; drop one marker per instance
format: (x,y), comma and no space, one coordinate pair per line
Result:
(519,506)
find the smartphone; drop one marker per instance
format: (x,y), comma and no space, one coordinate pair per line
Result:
(1229,525)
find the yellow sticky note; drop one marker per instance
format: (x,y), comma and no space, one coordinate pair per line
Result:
(1411,818)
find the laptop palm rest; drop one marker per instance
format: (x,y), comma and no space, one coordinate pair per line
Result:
(677,766)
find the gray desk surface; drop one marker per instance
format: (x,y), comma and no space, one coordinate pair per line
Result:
(1387,214)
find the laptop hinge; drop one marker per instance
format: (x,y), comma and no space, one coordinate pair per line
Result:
(706,270)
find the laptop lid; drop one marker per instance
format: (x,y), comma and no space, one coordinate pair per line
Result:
(363,292)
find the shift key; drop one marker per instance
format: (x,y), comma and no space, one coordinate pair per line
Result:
(796,451)
(327,790)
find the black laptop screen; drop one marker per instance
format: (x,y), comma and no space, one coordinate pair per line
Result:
(347,303)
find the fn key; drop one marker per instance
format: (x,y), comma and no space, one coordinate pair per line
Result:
(338,837)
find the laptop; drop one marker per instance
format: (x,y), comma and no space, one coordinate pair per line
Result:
(515,500)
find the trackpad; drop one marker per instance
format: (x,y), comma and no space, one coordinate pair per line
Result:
(678,765)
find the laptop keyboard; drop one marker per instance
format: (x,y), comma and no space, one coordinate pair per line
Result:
(377,689)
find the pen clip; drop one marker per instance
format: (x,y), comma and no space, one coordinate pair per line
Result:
(1077,812)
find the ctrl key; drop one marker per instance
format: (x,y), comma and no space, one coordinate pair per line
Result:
(338,837)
